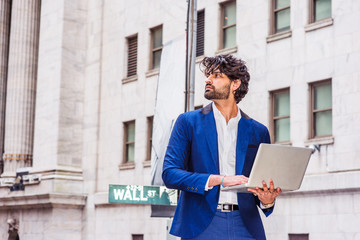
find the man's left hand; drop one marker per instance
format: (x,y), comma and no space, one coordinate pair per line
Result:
(266,195)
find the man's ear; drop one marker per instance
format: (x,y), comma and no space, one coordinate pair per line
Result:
(236,84)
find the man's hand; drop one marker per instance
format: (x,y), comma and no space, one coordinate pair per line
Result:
(266,195)
(234,180)
(227,181)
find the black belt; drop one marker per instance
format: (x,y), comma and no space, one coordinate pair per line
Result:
(227,207)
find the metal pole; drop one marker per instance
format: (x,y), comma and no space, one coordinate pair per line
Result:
(191,54)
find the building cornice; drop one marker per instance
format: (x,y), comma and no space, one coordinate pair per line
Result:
(19,200)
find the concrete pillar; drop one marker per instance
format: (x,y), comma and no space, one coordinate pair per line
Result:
(5,10)
(21,85)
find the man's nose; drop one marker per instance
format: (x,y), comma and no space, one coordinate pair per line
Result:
(208,80)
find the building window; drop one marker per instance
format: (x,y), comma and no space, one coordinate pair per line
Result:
(129,142)
(156,47)
(321,109)
(303,236)
(319,10)
(280,115)
(280,16)
(200,33)
(150,122)
(132,55)
(228,26)
(137,237)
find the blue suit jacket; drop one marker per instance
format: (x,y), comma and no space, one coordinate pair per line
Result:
(192,156)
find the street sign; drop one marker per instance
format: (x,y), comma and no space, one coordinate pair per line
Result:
(137,194)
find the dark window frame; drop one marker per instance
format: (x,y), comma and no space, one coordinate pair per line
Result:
(298,236)
(150,125)
(152,50)
(273,118)
(200,33)
(126,142)
(273,17)
(137,236)
(222,27)
(132,58)
(312,124)
(312,12)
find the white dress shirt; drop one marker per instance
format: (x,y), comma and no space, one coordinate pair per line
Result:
(227,136)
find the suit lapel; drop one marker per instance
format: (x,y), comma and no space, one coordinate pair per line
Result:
(243,136)
(211,134)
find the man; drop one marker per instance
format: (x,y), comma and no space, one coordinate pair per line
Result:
(217,146)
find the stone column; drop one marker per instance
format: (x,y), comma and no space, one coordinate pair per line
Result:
(21,85)
(5,9)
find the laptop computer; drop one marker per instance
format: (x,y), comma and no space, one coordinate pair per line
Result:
(285,165)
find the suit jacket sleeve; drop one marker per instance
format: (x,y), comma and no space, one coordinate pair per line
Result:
(175,169)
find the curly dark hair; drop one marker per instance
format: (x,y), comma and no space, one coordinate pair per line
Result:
(234,69)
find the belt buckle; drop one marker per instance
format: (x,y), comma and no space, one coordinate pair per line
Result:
(222,207)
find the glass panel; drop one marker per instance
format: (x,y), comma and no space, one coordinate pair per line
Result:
(282,20)
(157,37)
(322,97)
(156,59)
(230,37)
(282,3)
(282,130)
(230,14)
(130,152)
(282,104)
(323,123)
(130,132)
(322,9)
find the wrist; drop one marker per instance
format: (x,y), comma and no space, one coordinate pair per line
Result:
(222,181)
(268,205)
(215,180)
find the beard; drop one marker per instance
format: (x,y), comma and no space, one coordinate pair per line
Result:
(222,93)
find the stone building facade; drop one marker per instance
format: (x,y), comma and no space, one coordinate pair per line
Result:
(75,114)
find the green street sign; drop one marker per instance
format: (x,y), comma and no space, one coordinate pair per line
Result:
(137,194)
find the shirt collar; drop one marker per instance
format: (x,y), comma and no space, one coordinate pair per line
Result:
(217,113)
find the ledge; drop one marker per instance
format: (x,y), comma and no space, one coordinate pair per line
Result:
(279,36)
(101,199)
(345,181)
(19,200)
(319,24)
(152,72)
(36,176)
(199,58)
(227,50)
(130,79)
(126,166)
(320,141)
(147,163)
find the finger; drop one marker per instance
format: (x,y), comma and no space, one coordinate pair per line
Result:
(254,191)
(271,185)
(265,186)
(243,179)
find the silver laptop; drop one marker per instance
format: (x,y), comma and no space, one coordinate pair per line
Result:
(285,165)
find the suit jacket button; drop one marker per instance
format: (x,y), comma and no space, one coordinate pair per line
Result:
(188,188)
(196,189)
(192,188)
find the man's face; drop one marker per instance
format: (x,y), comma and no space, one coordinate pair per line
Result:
(217,86)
